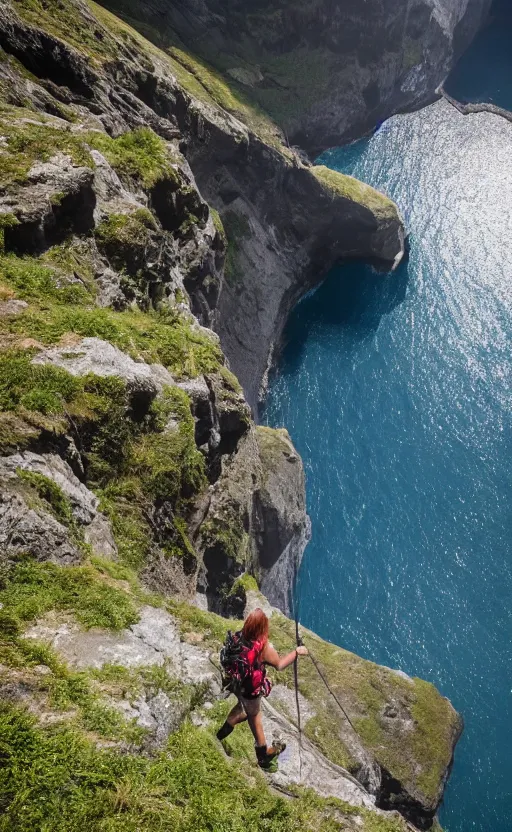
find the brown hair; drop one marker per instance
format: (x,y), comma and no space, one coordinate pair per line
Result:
(256,626)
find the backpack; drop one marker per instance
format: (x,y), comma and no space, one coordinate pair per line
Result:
(245,674)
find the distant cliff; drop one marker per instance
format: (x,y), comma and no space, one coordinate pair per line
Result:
(326,70)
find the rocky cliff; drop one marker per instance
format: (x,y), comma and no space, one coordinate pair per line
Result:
(327,70)
(138,497)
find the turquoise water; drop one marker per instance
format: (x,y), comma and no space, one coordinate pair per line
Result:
(397,392)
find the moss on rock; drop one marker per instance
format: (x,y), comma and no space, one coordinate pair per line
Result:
(342,185)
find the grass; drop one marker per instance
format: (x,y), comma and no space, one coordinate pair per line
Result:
(164,337)
(196,76)
(63,19)
(139,155)
(51,493)
(27,143)
(417,758)
(58,780)
(341,185)
(33,589)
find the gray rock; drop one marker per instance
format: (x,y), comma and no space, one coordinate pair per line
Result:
(55,191)
(26,529)
(303,765)
(92,355)
(10,308)
(84,504)
(329,71)
(154,640)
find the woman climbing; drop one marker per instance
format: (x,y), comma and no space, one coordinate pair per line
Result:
(243,659)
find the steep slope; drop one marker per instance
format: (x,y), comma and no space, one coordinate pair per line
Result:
(329,70)
(132,475)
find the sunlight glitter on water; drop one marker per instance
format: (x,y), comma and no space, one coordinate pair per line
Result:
(397,391)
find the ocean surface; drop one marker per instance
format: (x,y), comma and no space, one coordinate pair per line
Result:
(397,391)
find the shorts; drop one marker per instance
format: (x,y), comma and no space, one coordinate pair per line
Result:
(251,706)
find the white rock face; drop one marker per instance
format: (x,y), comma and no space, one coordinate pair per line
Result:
(92,355)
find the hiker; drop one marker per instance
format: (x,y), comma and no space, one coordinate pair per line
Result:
(243,659)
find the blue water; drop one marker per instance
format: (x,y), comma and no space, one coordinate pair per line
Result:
(397,392)
(484,73)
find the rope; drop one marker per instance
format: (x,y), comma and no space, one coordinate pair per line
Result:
(298,639)
(326,683)
(295,606)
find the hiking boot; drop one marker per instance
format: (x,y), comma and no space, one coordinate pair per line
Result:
(267,755)
(224,731)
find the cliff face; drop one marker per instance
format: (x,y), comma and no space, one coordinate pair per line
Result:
(136,490)
(327,71)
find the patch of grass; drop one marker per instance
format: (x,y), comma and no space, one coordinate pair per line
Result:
(193,620)
(6,221)
(167,338)
(32,589)
(48,490)
(341,185)
(36,279)
(225,531)
(300,77)
(219,226)
(127,509)
(168,464)
(57,779)
(140,155)
(230,381)
(27,143)
(247,582)
(417,758)
(44,389)
(72,24)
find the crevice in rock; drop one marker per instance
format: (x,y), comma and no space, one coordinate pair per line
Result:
(48,58)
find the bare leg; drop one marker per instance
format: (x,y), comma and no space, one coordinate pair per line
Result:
(256,726)
(236,715)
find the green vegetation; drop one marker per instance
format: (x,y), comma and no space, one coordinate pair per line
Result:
(28,143)
(63,19)
(169,465)
(119,229)
(45,280)
(124,239)
(51,493)
(341,185)
(140,155)
(32,589)
(366,687)
(218,223)
(58,308)
(296,81)
(6,221)
(193,620)
(195,76)
(225,531)
(58,780)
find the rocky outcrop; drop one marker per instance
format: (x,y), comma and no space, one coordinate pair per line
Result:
(132,472)
(326,71)
(171,672)
(48,513)
(255,521)
(284,226)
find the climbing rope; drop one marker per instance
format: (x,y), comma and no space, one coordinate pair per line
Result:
(295,607)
